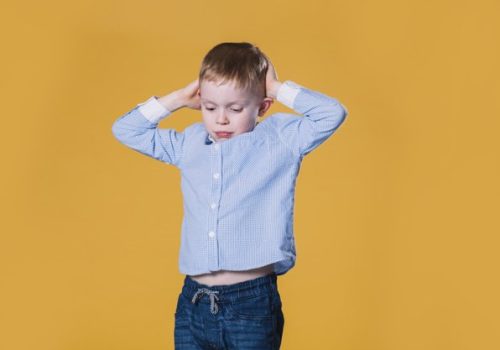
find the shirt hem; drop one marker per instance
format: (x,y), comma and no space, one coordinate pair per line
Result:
(287,260)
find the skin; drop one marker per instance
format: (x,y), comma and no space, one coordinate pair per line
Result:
(225,107)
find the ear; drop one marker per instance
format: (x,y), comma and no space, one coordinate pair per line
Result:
(265,104)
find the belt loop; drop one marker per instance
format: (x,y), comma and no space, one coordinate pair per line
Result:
(273,282)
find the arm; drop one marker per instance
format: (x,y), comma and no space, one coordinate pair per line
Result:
(322,114)
(138,128)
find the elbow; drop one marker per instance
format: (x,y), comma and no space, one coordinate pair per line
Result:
(338,116)
(344,111)
(341,114)
(117,131)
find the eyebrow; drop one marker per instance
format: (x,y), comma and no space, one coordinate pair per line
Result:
(230,103)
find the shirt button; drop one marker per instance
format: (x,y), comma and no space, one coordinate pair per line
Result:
(216,175)
(216,146)
(211,234)
(213,205)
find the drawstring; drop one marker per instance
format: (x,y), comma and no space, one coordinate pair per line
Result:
(214,308)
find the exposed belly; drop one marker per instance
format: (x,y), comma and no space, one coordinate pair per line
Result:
(224,277)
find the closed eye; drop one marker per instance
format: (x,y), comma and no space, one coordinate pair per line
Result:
(234,110)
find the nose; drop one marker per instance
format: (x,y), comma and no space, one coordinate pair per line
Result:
(221,118)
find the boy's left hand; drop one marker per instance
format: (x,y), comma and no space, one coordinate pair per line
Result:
(272,82)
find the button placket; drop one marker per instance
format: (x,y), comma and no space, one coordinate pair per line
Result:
(216,165)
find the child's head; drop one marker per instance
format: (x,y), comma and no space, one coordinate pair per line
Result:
(232,82)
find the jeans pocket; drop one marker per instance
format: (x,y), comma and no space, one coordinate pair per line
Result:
(276,300)
(259,307)
(181,308)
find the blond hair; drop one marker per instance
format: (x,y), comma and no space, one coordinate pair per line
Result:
(243,62)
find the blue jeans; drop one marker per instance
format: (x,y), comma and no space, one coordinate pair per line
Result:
(245,315)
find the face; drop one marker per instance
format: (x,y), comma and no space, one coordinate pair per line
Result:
(228,111)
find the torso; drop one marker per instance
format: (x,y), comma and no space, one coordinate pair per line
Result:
(225,277)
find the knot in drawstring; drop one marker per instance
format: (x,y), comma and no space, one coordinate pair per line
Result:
(214,308)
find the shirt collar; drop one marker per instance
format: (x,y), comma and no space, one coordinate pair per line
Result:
(209,139)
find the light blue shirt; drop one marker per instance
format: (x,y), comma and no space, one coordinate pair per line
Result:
(238,193)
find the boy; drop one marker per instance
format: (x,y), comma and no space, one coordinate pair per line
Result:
(238,181)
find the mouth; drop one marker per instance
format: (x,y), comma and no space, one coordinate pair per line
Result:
(223,134)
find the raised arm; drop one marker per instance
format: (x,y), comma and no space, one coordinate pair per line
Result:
(321,114)
(138,128)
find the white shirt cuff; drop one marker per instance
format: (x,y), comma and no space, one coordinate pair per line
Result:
(153,110)
(287,93)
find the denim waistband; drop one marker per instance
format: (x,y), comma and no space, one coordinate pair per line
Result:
(229,293)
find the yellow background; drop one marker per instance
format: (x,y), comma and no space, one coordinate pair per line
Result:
(397,215)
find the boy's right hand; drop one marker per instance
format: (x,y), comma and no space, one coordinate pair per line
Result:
(190,95)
